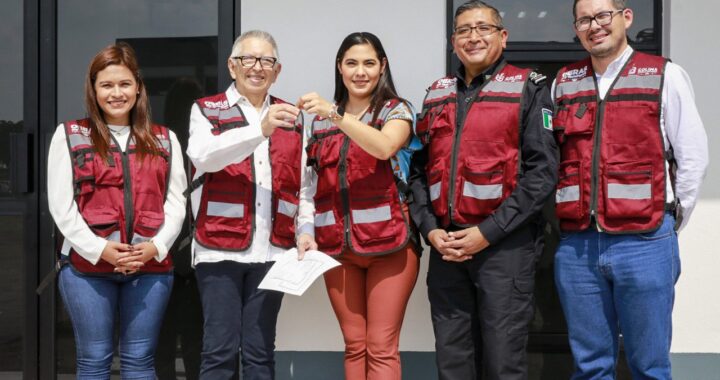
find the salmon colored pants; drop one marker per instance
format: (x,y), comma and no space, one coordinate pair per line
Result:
(369,295)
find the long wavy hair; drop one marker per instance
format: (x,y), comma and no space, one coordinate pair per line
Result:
(385,89)
(140,124)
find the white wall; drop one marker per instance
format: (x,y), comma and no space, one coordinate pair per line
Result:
(308,34)
(697,304)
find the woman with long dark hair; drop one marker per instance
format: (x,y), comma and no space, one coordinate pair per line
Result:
(359,149)
(115,184)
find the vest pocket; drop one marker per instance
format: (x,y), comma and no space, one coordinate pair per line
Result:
(223,218)
(284,213)
(328,224)
(104,222)
(437,183)
(575,119)
(628,190)
(108,175)
(374,219)
(480,189)
(147,224)
(568,197)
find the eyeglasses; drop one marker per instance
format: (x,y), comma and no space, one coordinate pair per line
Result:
(248,61)
(483,30)
(603,18)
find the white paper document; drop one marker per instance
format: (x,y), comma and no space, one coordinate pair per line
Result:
(293,276)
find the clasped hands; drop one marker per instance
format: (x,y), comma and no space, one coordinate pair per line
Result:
(128,259)
(458,246)
(285,115)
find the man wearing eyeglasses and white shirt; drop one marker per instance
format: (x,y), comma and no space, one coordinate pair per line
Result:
(479,184)
(633,156)
(247,151)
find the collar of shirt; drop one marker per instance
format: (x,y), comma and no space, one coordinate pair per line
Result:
(480,79)
(233,97)
(614,67)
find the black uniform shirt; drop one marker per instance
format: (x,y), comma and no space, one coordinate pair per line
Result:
(539,166)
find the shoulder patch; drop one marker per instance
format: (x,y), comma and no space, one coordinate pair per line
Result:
(547,115)
(537,78)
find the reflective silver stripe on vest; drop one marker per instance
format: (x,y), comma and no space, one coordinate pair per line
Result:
(568,194)
(371,215)
(77,140)
(435,190)
(482,191)
(620,191)
(164,142)
(571,88)
(211,112)
(137,239)
(325,219)
(439,93)
(287,208)
(115,236)
(321,125)
(637,81)
(229,113)
(227,210)
(507,87)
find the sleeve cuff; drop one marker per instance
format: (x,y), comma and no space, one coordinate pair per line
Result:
(95,253)
(307,228)
(162,250)
(426,227)
(491,231)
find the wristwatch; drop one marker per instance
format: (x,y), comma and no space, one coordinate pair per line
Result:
(336,113)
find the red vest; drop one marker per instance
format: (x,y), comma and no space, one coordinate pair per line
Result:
(357,202)
(226,216)
(472,170)
(613,155)
(121,199)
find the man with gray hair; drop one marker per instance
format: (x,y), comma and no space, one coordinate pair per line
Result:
(633,155)
(246,149)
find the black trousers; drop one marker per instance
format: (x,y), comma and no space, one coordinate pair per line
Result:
(237,316)
(481,309)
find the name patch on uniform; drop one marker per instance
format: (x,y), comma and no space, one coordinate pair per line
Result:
(575,74)
(547,119)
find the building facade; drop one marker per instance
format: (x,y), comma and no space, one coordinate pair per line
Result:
(182,47)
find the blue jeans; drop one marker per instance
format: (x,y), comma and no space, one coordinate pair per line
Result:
(619,284)
(237,316)
(92,303)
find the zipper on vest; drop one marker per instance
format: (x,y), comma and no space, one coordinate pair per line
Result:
(455,151)
(344,193)
(596,162)
(127,189)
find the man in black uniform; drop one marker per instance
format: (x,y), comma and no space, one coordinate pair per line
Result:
(479,184)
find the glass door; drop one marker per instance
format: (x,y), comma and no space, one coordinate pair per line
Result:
(17,194)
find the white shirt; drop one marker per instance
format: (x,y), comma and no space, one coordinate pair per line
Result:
(681,127)
(210,153)
(67,216)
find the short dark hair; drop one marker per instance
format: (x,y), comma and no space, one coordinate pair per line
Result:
(476,4)
(619,4)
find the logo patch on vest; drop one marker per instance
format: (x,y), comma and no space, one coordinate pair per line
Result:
(643,71)
(445,83)
(575,74)
(547,119)
(502,78)
(85,131)
(218,104)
